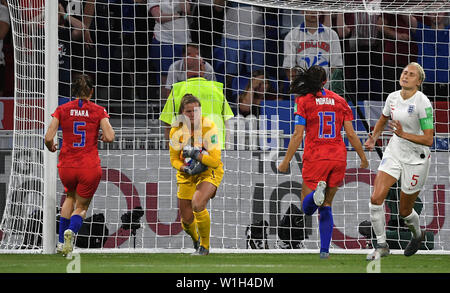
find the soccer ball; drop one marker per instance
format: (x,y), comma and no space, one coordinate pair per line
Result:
(189,161)
(196,165)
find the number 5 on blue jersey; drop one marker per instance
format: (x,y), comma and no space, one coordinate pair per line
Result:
(82,133)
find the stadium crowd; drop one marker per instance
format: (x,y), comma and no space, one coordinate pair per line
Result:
(134,49)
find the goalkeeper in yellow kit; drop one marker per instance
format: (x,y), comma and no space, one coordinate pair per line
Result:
(196,153)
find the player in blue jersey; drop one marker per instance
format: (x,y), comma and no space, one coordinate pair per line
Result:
(322,114)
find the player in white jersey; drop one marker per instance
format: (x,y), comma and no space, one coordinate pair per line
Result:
(312,43)
(407,157)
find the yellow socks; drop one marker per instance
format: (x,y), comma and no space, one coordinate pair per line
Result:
(191,229)
(204,226)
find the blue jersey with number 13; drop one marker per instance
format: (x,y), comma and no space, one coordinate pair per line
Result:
(323,115)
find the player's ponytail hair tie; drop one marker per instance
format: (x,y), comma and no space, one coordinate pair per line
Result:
(82,86)
(308,81)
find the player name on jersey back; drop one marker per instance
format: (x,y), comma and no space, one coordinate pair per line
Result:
(324,101)
(76,112)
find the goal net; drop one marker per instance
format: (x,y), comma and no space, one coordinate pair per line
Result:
(135,51)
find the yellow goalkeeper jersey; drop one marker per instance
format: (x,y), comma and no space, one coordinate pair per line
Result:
(208,139)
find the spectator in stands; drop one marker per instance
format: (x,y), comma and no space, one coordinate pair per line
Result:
(257,90)
(243,40)
(177,71)
(83,12)
(294,18)
(68,28)
(4,29)
(398,49)
(129,54)
(207,26)
(361,35)
(311,44)
(290,19)
(433,44)
(171,34)
(82,44)
(210,93)
(87,39)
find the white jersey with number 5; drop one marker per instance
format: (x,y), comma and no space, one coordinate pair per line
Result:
(414,114)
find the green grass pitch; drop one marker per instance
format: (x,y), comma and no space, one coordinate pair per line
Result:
(221,263)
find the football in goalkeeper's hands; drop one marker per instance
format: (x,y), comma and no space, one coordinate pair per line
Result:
(193,166)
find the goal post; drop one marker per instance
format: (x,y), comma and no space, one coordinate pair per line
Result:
(29,217)
(51,103)
(128,49)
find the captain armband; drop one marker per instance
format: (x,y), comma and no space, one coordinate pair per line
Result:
(427,122)
(299,120)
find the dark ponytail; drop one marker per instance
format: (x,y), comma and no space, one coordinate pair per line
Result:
(308,81)
(82,86)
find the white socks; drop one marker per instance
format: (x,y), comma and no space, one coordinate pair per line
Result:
(377,218)
(412,221)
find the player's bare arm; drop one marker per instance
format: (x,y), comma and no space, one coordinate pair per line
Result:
(294,143)
(356,143)
(50,135)
(425,139)
(373,137)
(108,133)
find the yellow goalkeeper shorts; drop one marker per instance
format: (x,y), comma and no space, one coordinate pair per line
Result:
(187,184)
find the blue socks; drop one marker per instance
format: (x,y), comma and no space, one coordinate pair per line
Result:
(75,223)
(308,205)
(325,228)
(325,220)
(63,226)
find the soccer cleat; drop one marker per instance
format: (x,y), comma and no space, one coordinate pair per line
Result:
(201,251)
(197,244)
(319,193)
(414,244)
(324,255)
(380,251)
(68,242)
(59,247)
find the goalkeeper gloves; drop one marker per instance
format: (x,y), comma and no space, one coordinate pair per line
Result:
(190,152)
(194,168)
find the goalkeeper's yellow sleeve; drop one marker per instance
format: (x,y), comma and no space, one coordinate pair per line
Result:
(175,158)
(213,159)
(212,144)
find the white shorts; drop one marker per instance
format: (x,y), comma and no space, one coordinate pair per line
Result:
(412,177)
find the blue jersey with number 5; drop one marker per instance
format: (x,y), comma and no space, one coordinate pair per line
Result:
(80,124)
(323,115)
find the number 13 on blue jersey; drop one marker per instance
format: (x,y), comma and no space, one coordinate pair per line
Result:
(327,119)
(82,133)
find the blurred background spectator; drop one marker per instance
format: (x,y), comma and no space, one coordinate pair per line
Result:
(361,35)
(252,91)
(207,25)
(431,33)
(243,40)
(310,44)
(398,49)
(178,71)
(4,30)
(171,34)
